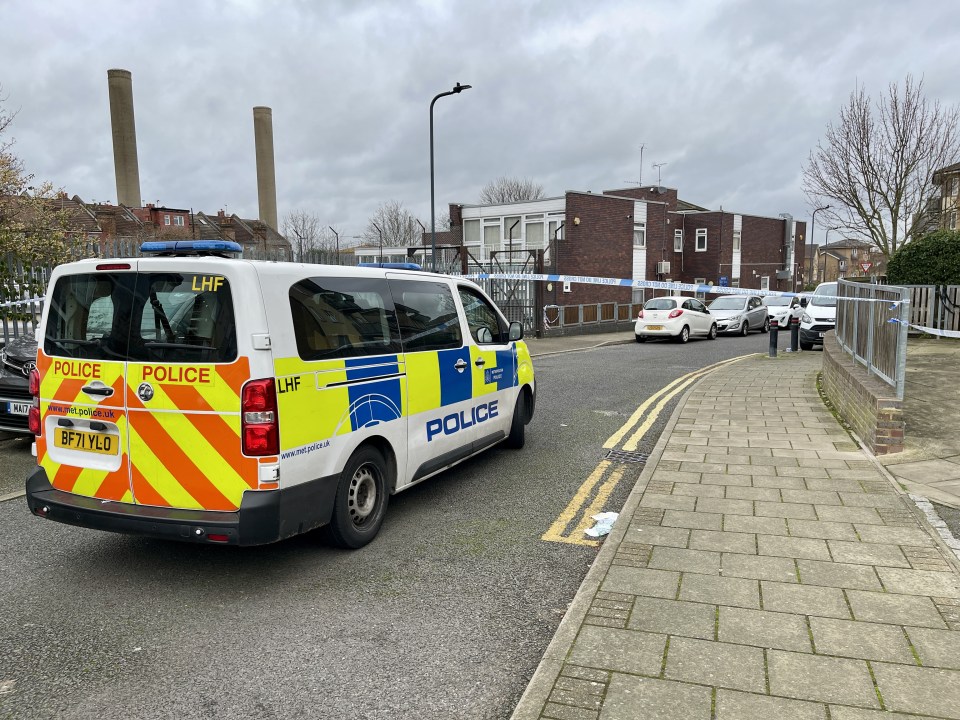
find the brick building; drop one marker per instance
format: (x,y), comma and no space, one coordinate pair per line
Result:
(644,233)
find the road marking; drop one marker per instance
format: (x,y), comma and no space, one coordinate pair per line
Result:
(578,506)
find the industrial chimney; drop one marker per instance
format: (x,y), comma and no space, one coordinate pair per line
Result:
(120,83)
(266,176)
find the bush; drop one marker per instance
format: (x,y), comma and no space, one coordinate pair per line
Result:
(934,259)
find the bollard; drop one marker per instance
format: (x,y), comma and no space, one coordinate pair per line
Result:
(794,334)
(774,328)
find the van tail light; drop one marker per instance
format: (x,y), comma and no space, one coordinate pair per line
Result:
(259,429)
(675,313)
(640,314)
(33,416)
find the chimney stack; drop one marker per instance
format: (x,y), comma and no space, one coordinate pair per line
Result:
(120,83)
(266,175)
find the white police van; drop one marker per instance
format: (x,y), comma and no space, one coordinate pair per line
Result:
(194,395)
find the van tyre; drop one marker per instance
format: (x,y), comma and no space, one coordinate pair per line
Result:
(806,345)
(517,436)
(361,500)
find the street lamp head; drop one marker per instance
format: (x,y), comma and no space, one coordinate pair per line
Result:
(458,87)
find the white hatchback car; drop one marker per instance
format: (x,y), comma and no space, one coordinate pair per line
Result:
(676,317)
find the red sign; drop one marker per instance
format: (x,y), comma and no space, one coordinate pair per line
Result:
(865,266)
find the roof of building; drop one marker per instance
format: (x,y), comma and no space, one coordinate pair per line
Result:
(948,170)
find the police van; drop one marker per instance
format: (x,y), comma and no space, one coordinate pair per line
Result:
(194,395)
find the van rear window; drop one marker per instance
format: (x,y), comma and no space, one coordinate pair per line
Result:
(142,317)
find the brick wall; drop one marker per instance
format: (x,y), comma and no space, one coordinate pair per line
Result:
(600,244)
(868,405)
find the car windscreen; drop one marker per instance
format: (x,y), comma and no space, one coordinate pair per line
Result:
(825,296)
(660,304)
(728,303)
(142,317)
(776,301)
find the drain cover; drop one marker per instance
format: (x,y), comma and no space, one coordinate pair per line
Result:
(624,456)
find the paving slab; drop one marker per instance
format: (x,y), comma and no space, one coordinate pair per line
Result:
(821,679)
(919,689)
(618,650)
(718,664)
(630,697)
(734,705)
(764,629)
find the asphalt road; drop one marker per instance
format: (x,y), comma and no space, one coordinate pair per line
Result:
(446,614)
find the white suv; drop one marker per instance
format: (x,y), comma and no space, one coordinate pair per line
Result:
(820,315)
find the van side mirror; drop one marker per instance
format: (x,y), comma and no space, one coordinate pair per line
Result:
(803,302)
(516,331)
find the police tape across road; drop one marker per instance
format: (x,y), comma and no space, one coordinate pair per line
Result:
(659,285)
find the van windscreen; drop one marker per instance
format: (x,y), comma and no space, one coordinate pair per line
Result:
(142,317)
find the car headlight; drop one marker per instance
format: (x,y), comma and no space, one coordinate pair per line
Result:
(807,319)
(734,320)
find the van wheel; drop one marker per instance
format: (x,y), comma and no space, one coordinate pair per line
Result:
(361,500)
(516,438)
(806,345)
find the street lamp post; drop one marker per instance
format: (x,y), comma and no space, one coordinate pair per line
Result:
(423,233)
(433,215)
(336,235)
(813,220)
(380,233)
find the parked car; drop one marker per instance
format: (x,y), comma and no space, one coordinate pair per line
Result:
(780,307)
(820,316)
(675,317)
(17,359)
(740,314)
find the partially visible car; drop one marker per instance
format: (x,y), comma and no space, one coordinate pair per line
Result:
(820,316)
(740,314)
(17,358)
(780,307)
(676,317)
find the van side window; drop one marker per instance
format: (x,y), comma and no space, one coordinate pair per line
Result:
(484,322)
(341,317)
(427,315)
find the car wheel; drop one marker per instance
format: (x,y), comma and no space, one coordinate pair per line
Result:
(806,345)
(361,500)
(684,334)
(744,328)
(640,338)
(516,438)
(712,335)
(766,325)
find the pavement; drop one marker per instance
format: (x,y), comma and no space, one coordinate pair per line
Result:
(766,565)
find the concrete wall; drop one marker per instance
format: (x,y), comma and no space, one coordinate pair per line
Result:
(868,405)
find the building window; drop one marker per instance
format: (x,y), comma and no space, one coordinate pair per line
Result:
(678,240)
(166,219)
(736,241)
(764,282)
(701,240)
(954,185)
(953,220)
(178,220)
(853,253)
(639,235)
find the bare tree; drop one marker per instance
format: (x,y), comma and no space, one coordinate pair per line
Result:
(505,190)
(398,225)
(305,233)
(874,167)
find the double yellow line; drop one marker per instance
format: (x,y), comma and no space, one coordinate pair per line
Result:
(577,517)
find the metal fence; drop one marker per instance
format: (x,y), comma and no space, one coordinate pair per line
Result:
(589,317)
(872,328)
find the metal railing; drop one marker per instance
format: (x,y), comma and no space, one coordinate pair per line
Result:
(872,328)
(594,317)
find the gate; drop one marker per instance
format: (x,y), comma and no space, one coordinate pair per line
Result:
(519,299)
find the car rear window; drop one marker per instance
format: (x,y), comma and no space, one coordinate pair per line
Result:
(142,317)
(660,304)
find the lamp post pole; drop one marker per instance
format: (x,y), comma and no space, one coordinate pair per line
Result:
(380,233)
(813,220)
(433,215)
(337,236)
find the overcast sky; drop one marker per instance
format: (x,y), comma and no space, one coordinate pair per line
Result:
(732,96)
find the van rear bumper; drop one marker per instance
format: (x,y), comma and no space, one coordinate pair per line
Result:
(264,516)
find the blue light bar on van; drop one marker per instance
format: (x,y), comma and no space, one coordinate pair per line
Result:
(393,265)
(190,247)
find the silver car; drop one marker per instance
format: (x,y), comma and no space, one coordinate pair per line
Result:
(740,314)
